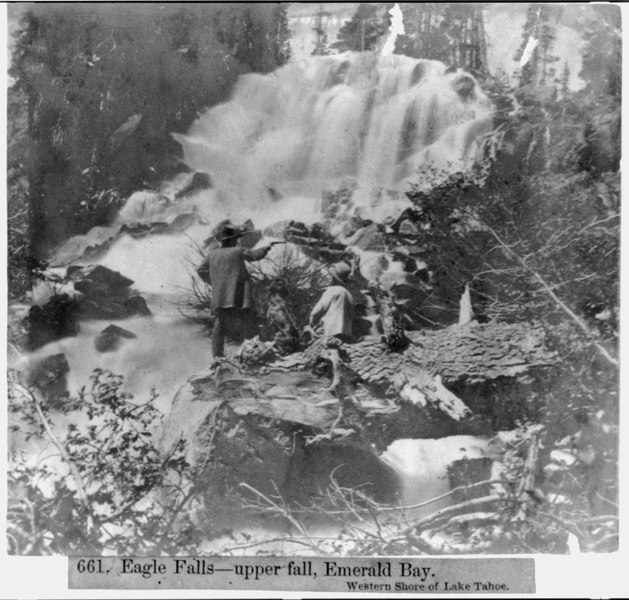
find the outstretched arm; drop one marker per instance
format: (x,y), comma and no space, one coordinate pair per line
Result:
(258,253)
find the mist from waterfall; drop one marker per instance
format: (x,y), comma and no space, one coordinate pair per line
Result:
(309,125)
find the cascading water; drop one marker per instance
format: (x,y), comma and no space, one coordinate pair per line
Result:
(269,151)
(307,126)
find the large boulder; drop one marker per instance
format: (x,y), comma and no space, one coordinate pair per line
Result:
(144,229)
(372,237)
(94,243)
(49,374)
(199,181)
(182,222)
(323,417)
(113,308)
(105,294)
(259,432)
(94,280)
(111,338)
(56,319)
(316,242)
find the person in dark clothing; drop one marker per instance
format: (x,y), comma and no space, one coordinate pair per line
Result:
(225,270)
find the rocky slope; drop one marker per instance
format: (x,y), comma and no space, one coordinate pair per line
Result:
(286,427)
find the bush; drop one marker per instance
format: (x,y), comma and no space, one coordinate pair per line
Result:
(108,490)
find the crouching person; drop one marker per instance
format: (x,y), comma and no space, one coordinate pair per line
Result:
(334,312)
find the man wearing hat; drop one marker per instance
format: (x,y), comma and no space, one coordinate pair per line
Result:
(335,309)
(225,270)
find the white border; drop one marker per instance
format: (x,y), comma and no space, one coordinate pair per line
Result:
(594,576)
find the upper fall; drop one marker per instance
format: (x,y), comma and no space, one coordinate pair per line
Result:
(308,125)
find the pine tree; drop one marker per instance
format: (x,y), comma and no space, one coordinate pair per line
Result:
(106,85)
(321,43)
(564,82)
(365,29)
(601,66)
(538,31)
(449,32)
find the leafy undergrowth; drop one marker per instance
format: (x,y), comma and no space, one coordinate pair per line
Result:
(106,489)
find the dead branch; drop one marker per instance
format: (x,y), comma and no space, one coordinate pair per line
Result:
(526,487)
(290,540)
(278,508)
(460,488)
(449,511)
(76,474)
(558,302)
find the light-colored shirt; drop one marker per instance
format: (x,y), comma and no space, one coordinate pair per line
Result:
(336,311)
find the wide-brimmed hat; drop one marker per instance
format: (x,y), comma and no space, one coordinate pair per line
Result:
(228,231)
(340,271)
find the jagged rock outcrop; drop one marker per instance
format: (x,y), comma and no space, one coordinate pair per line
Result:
(111,338)
(94,292)
(338,407)
(199,181)
(95,243)
(56,319)
(50,374)
(471,353)
(105,294)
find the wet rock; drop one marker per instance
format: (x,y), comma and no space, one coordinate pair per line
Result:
(49,375)
(199,181)
(111,338)
(95,280)
(95,242)
(353,468)
(274,194)
(408,228)
(277,230)
(337,74)
(140,230)
(369,238)
(385,206)
(17,329)
(182,222)
(143,206)
(467,471)
(316,242)
(106,294)
(56,319)
(113,308)
(464,86)
(418,73)
(137,305)
(280,430)
(259,438)
(410,250)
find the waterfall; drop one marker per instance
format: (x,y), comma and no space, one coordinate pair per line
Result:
(269,151)
(307,126)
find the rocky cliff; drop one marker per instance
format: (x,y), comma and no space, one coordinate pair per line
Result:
(285,428)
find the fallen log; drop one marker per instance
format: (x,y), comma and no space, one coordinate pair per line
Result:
(334,408)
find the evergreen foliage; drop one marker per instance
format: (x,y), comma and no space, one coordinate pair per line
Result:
(97,91)
(449,32)
(534,231)
(365,29)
